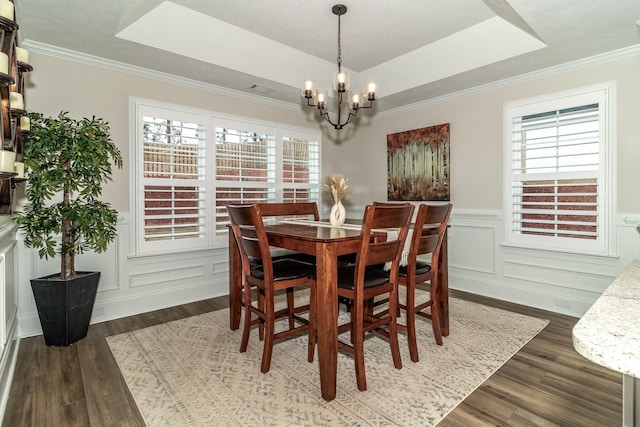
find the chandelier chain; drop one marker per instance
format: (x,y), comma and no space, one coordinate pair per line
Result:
(339,46)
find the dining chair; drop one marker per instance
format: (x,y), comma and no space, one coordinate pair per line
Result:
(427,235)
(290,210)
(267,277)
(360,283)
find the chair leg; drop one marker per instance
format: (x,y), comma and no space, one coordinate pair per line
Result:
(313,332)
(393,328)
(290,306)
(435,316)
(411,321)
(247,318)
(260,297)
(357,331)
(269,332)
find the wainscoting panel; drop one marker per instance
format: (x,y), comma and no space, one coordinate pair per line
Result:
(581,280)
(167,274)
(107,263)
(473,247)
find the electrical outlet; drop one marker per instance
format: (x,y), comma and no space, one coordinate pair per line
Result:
(562,302)
(98,311)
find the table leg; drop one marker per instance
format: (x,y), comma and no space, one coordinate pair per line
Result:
(443,280)
(327,317)
(235,283)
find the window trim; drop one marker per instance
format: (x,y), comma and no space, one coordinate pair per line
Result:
(604,93)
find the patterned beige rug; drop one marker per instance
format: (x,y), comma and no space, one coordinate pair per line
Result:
(190,373)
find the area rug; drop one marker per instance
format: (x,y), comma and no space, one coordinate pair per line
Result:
(191,373)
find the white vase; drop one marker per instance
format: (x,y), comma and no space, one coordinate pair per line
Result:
(338,214)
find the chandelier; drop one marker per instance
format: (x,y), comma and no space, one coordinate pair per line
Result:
(319,99)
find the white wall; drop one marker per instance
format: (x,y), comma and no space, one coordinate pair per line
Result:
(479,262)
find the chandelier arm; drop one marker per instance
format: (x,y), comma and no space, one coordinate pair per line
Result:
(366,106)
(351,116)
(325,115)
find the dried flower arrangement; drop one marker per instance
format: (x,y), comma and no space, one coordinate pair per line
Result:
(337,187)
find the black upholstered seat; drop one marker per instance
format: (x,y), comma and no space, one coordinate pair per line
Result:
(421,268)
(285,269)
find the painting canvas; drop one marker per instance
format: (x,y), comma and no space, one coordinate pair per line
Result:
(418,164)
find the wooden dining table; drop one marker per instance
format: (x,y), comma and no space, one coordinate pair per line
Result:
(327,244)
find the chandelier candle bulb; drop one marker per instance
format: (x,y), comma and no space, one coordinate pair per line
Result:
(371,91)
(322,100)
(355,101)
(6,9)
(16,101)
(22,55)
(308,89)
(4,63)
(341,82)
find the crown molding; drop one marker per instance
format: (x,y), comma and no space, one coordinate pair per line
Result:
(122,67)
(604,58)
(96,61)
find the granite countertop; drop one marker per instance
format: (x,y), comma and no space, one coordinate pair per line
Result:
(609,332)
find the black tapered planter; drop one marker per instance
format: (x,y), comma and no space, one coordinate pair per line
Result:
(65,306)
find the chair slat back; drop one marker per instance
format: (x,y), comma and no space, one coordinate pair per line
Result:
(429,230)
(290,209)
(373,251)
(251,237)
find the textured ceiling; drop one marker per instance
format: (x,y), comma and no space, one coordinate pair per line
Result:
(415,49)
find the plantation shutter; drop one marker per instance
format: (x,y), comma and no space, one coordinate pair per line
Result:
(556,176)
(245,167)
(300,169)
(173,174)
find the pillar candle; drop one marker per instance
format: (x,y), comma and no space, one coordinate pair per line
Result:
(6,9)
(19,169)
(4,63)
(16,101)
(7,161)
(25,123)
(22,55)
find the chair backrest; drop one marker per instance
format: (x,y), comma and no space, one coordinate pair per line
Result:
(375,252)
(290,209)
(428,232)
(248,229)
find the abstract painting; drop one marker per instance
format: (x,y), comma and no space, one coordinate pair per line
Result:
(418,164)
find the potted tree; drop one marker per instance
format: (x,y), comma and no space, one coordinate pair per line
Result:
(67,161)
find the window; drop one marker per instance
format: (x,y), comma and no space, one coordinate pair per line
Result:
(261,164)
(557,173)
(189,166)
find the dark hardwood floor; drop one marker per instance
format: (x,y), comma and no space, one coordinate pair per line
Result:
(545,384)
